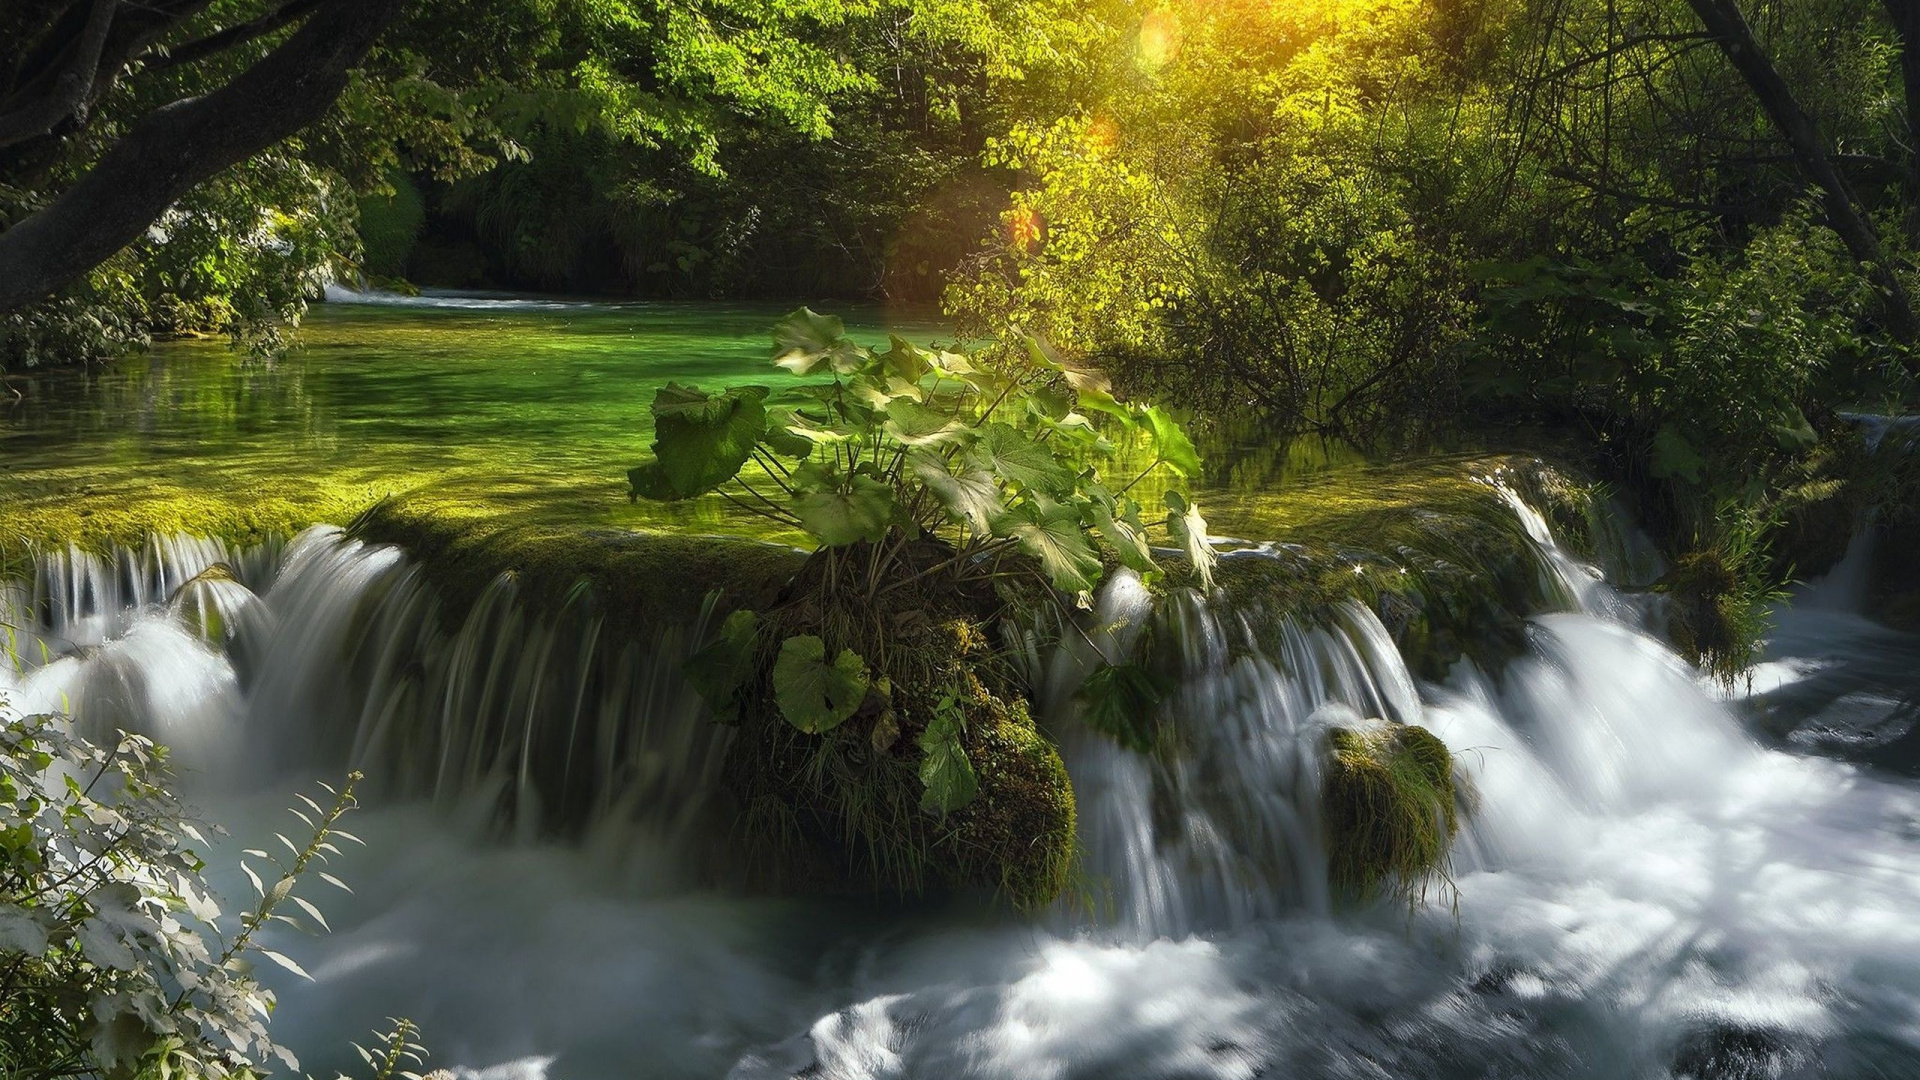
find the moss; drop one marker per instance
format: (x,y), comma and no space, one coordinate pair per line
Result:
(640,580)
(1389,806)
(1434,550)
(843,809)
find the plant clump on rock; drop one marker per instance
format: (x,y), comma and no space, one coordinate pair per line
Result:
(1389,801)
(883,740)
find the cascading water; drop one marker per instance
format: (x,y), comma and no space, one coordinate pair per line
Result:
(1642,890)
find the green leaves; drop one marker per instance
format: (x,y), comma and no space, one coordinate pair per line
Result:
(700,440)
(1189,530)
(839,517)
(1016,458)
(1170,442)
(814,695)
(945,772)
(1123,701)
(973,497)
(805,343)
(1052,535)
(718,671)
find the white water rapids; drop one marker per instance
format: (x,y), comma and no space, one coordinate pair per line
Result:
(1643,889)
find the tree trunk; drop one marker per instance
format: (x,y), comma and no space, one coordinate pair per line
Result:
(177,147)
(1905,16)
(1723,20)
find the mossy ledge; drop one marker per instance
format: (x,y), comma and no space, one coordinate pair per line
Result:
(825,813)
(1434,550)
(640,581)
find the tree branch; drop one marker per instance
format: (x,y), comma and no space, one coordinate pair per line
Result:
(237,34)
(175,148)
(67,89)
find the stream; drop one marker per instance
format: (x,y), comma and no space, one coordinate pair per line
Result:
(1659,877)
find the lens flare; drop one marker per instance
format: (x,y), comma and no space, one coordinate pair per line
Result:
(1159,39)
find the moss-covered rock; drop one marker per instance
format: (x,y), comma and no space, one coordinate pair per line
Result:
(846,808)
(1389,807)
(640,580)
(1435,549)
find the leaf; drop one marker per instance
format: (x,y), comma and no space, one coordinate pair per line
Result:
(1092,394)
(1674,456)
(838,518)
(717,671)
(917,425)
(1189,530)
(781,439)
(286,962)
(1017,459)
(21,932)
(972,497)
(947,776)
(104,945)
(813,695)
(1123,702)
(1126,534)
(1053,535)
(702,444)
(1171,444)
(906,361)
(805,342)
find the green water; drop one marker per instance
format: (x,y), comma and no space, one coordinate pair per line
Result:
(502,406)
(502,411)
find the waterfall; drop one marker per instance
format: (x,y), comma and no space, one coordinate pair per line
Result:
(329,652)
(1642,888)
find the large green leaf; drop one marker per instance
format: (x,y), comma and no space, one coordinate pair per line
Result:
(906,361)
(917,425)
(805,342)
(945,772)
(839,518)
(1171,444)
(813,695)
(1052,534)
(972,497)
(1189,530)
(1016,458)
(1123,701)
(1126,533)
(701,440)
(648,480)
(781,438)
(719,670)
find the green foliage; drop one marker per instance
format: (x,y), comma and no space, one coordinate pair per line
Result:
(947,775)
(910,443)
(816,695)
(720,669)
(119,960)
(1123,702)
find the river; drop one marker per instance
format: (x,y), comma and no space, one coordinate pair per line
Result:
(1660,877)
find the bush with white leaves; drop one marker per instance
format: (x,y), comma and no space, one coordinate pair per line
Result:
(116,959)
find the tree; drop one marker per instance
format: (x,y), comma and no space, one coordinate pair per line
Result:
(1723,20)
(174,147)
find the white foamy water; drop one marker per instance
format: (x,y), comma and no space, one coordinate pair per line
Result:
(1642,889)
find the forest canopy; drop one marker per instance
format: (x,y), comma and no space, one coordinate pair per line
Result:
(1686,229)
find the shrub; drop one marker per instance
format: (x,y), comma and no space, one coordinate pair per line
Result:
(115,957)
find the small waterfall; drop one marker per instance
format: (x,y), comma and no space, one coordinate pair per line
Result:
(1642,887)
(327,652)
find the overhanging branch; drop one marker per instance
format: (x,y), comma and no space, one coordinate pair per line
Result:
(175,148)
